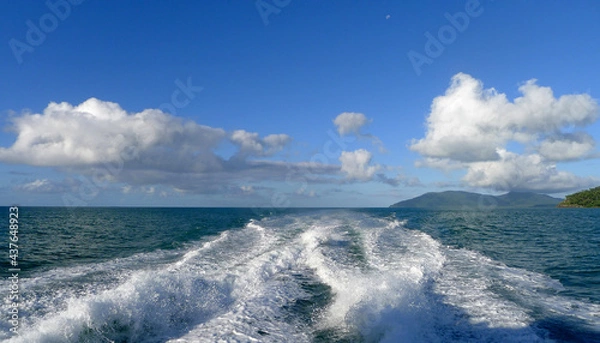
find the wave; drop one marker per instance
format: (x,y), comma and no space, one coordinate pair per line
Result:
(324,277)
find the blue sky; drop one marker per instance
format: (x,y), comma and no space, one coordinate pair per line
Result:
(290,103)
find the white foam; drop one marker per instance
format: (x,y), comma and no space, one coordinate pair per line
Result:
(383,298)
(465,283)
(221,286)
(195,252)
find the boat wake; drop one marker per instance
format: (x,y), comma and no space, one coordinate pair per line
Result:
(337,276)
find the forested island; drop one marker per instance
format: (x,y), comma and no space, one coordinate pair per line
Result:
(587,198)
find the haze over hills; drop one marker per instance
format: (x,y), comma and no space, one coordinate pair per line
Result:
(458,200)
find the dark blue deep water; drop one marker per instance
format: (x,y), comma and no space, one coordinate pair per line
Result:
(304,275)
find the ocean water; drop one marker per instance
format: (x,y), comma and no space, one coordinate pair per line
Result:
(305,275)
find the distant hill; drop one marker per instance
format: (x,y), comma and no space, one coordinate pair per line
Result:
(589,198)
(458,200)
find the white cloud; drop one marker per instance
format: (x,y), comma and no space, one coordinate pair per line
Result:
(37,186)
(247,189)
(250,143)
(47,186)
(523,172)
(470,127)
(350,122)
(103,142)
(567,146)
(355,164)
(468,123)
(101,132)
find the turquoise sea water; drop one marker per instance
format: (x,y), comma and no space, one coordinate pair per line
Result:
(305,275)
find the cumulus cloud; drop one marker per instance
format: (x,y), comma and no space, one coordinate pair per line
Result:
(563,147)
(468,123)
(470,127)
(523,172)
(350,122)
(250,143)
(101,132)
(100,140)
(355,164)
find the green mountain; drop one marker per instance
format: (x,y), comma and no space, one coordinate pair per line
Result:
(458,200)
(589,198)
